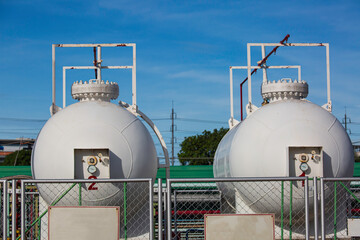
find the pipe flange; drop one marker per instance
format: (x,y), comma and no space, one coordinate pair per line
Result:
(284,89)
(94,90)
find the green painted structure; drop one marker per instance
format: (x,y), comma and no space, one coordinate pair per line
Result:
(194,171)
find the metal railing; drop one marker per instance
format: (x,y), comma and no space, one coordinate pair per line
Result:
(189,199)
(326,208)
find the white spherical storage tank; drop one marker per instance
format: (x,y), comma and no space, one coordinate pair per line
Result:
(287,137)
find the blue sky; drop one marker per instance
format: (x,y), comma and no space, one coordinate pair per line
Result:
(184,50)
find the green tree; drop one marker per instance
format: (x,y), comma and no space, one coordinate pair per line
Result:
(200,149)
(23,158)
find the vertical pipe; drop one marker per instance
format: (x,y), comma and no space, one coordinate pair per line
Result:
(306,208)
(168,188)
(98,63)
(80,195)
(134,76)
(151,209)
(64,87)
(241,103)
(5,206)
(175,214)
(290,214)
(335,203)
(282,210)
(315,210)
(13,210)
(328,73)
(264,69)
(23,210)
(125,211)
(231,99)
(160,209)
(249,76)
(53,77)
(299,73)
(322,209)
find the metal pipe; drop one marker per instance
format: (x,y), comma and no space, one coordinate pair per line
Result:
(328,75)
(264,67)
(168,210)
(86,180)
(322,209)
(23,213)
(175,214)
(97,45)
(306,208)
(134,78)
(64,87)
(160,209)
(5,206)
(236,179)
(13,210)
(93,67)
(249,77)
(151,209)
(53,80)
(288,44)
(98,61)
(231,98)
(315,210)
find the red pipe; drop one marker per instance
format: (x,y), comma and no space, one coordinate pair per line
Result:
(254,71)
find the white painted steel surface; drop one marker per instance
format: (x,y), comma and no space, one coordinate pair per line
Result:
(94,124)
(257,147)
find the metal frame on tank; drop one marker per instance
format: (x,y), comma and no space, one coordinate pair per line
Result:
(133,108)
(250,107)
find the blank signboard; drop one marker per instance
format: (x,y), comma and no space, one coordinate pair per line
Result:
(239,226)
(84,223)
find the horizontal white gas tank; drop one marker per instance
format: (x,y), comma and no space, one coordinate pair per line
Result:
(272,140)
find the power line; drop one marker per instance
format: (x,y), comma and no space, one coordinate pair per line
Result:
(200,120)
(22,119)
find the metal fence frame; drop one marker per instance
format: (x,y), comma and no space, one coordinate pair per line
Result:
(148,180)
(322,199)
(204,180)
(165,194)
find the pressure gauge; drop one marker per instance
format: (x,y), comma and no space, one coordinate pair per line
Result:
(92,169)
(303,158)
(92,160)
(304,167)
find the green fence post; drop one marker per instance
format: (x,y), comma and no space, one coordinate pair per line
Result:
(79,194)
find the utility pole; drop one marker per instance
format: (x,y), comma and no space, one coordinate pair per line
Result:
(345,121)
(173,116)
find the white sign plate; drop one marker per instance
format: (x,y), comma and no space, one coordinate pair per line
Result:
(84,223)
(239,226)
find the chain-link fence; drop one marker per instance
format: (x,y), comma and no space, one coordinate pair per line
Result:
(340,208)
(177,208)
(133,197)
(191,199)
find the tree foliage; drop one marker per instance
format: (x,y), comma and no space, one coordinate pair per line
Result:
(200,149)
(23,158)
